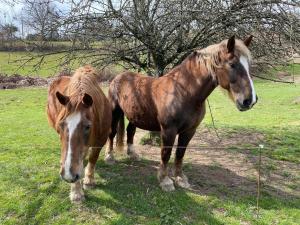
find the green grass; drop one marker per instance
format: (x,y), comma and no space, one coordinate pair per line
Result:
(128,193)
(275,115)
(16,62)
(293,69)
(13,63)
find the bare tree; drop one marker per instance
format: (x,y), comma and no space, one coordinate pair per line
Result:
(7,33)
(41,17)
(154,35)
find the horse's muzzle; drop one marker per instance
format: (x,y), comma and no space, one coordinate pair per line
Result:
(246,104)
(70,179)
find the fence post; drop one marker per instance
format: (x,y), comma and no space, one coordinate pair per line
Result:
(261,146)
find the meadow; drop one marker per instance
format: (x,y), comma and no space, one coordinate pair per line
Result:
(31,191)
(16,63)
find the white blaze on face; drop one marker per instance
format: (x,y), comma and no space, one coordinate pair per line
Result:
(72,122)
(244,62)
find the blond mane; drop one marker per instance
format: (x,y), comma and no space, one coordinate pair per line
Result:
(210,56)
(84,81)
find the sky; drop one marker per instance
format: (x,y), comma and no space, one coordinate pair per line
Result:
(7,13)
(11,14)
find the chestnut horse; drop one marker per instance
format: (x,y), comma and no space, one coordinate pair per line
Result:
(81,114)
(175,103)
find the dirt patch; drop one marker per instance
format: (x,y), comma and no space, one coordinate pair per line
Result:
(17,81)
(297,100)
(213,169)
(295,79)
(208,138)
(286,76)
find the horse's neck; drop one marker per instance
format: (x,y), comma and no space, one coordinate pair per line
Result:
(205,88)
(198,81)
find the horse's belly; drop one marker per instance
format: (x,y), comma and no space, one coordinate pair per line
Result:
(148,126)
(143,121)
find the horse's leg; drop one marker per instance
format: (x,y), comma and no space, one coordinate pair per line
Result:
(76,194)
(183,140)
(89,179)
(130,135)
(168,138)
(109,155)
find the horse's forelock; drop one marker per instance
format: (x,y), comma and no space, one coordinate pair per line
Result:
(83,81)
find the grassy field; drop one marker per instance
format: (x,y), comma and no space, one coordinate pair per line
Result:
(13,63)
(275,115)
(31,191)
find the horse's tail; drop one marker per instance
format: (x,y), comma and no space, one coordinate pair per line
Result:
(120,133)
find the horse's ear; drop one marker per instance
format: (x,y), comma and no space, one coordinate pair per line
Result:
(231,44)
(64,100)
(87,100)
(248,40)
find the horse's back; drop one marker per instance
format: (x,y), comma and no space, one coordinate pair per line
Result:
(132,92)
(53,106)
(128,82)
(152,103)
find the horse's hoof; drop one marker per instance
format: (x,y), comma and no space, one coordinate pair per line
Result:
(88,186)
(88,183)
(109,160)
(77,197)
(167,184)
(134,156)
(182,181)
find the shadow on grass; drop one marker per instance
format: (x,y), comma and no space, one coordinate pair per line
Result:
(128,193)
(134,194)
(226,185)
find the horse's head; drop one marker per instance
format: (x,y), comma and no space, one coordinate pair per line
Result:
(74,128)
(234,75)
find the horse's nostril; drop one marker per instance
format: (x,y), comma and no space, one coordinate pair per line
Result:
(76,177)
(247,102)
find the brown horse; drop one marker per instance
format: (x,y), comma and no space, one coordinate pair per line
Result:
(175,103)
(81,114)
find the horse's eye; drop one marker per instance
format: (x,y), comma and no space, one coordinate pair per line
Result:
(232,65)
(62,125)
(87,128)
